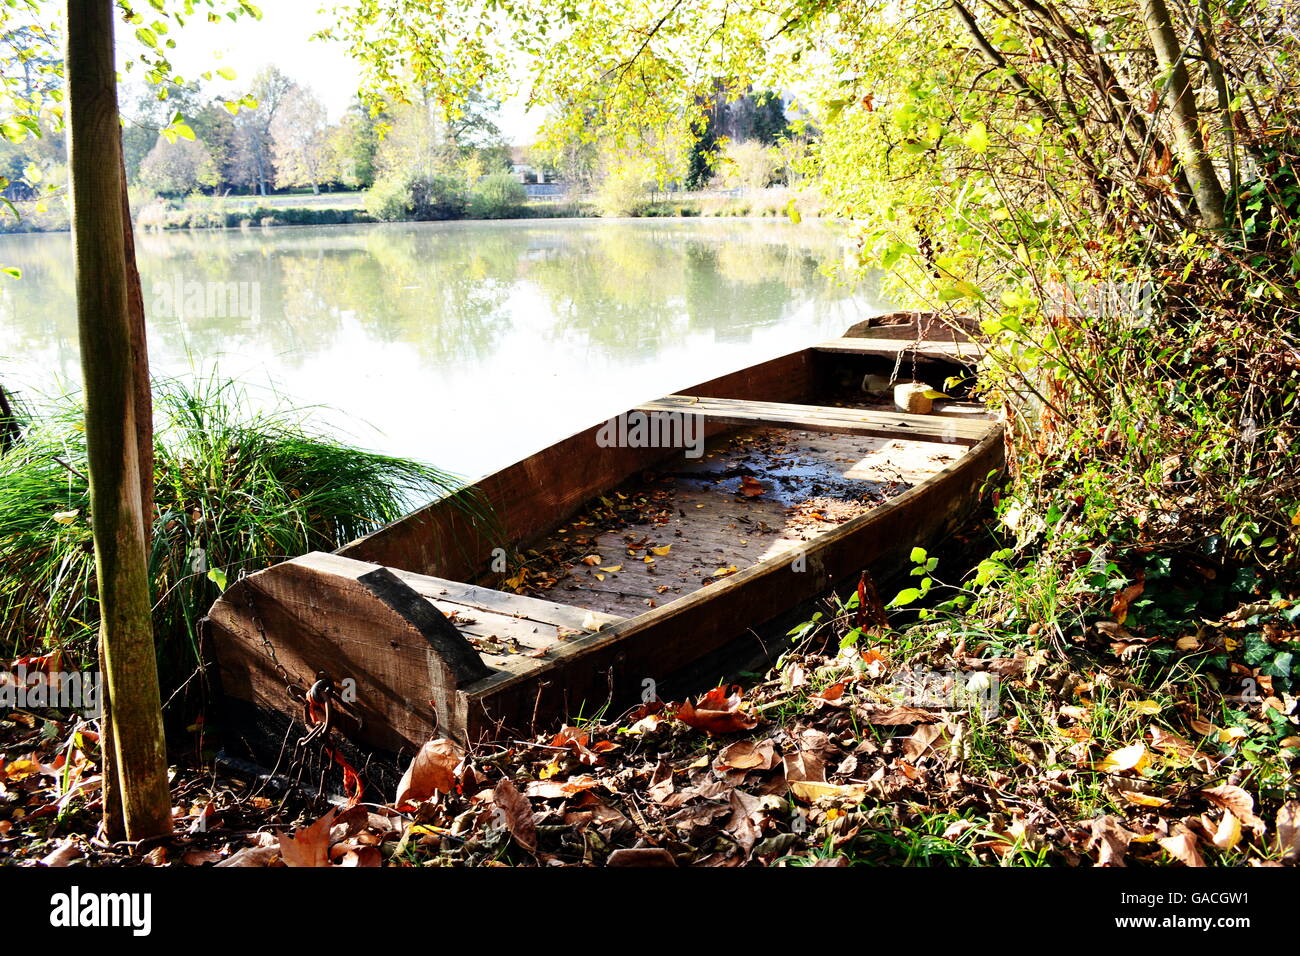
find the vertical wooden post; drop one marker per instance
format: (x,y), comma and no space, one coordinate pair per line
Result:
(105,294)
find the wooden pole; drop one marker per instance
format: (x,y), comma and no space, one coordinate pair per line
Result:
(136,757)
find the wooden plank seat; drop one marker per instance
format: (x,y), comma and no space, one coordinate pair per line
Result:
(962,430)
(967,352)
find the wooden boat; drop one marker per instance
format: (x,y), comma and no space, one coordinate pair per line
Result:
(641,560)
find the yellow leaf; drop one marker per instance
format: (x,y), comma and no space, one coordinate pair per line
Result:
(550,770)
(812,791)
(1143,799)
(1232,734)
(662,551)
(1134,757)
(1295,518)
(600,577)
(19,769)
(1146,707)
(613,567)
(66,517)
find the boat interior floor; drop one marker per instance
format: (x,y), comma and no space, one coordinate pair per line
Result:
(754,493)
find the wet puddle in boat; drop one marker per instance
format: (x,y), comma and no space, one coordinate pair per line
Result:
(755,493)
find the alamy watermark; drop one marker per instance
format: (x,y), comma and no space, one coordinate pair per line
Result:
(62,690)
(1100,300)
(951,689)
(638,429)
(183,298)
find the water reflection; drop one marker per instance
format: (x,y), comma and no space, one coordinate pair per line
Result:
(467,344)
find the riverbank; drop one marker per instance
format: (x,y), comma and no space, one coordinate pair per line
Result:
(266,212)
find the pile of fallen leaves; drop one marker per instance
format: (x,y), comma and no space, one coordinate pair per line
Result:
(821,764)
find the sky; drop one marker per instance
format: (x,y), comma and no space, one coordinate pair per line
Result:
(283,37)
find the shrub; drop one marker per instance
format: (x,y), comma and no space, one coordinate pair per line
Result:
(624,191)
(422,198)
(499,196)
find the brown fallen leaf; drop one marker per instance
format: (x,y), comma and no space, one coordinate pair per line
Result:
(432,771)
(718,712)
(1182,846)
(637,856)
(1288,830)
(1228,833)
(200,857)
(925,738)
(747,755)
(833,695)
(751,487)
(886,716)
(64,852)
(359,855)
(309,846)
(518,814)
(1237,802)
(253,856)
(805,765)
(1169,742)
(1110,839)
(555,789)
(1119,606)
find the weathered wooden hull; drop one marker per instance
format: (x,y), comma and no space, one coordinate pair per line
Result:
(376,612)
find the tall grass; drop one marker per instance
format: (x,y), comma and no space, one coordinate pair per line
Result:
(235,490)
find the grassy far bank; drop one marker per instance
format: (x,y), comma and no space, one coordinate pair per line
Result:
(344,208)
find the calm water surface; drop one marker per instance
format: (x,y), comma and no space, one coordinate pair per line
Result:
(468,344)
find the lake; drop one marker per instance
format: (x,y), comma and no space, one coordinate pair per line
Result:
(468,344)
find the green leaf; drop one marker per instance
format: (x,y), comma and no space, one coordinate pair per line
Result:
(905,596)
(918,555)
(977,138)
(11,271)
(218,577)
